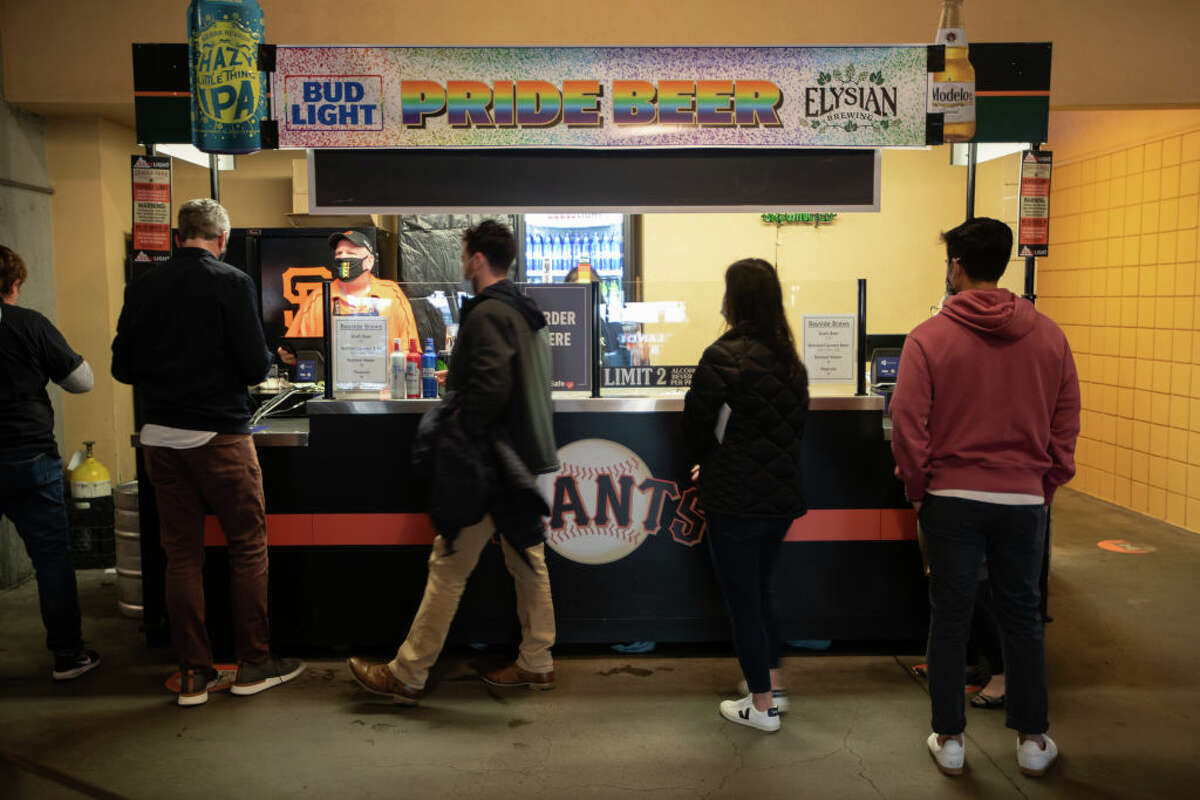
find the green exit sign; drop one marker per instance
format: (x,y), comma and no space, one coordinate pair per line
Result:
(816,220)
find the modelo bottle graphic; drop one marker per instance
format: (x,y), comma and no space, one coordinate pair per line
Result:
(952,91)
(229,94)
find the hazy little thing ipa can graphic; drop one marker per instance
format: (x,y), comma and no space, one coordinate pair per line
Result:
(952,91)
(229,94)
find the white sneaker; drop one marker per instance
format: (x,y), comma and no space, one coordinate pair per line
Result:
(949,757)
(778,696)
(1033,760)
(743,712)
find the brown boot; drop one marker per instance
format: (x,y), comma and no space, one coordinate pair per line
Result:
(513,676)
(378,679)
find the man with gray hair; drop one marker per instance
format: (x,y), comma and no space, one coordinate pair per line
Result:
(190,340)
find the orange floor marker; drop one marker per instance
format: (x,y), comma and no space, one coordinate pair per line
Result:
(1125,548)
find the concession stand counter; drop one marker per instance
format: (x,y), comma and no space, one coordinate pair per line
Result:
(349,538)
(347,526)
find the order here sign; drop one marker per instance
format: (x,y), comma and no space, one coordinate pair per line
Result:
(568,310)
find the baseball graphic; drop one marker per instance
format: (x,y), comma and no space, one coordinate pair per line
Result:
(600,500)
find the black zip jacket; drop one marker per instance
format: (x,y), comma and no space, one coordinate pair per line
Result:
(501,365)
(191,340)
(755,471)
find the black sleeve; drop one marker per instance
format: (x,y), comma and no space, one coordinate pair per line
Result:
(124,362)
(800,382)
(244,333)
(702,405)
(488,386)
(58,359)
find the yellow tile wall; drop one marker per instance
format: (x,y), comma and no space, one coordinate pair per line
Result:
(1121,280)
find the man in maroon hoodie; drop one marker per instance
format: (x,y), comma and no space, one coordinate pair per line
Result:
(985,415)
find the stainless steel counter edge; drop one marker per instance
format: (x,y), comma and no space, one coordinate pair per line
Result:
(283,432)
(584,405)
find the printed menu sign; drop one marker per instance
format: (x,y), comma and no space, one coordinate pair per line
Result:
(151,178)
(1034,230)
(360,353)
(829,347)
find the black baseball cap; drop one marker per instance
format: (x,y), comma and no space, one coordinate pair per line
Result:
(354,238)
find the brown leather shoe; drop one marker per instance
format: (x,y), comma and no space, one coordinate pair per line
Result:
(513,676)
(378,679)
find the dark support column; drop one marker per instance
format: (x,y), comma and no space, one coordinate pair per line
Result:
(327,321)
(862,338)
(597,351)
(972,162)
(214,177)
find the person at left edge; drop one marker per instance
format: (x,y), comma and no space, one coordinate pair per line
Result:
(33,353)
(355,290)
(190,340)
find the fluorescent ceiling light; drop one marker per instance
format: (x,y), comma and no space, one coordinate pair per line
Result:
(985,151)
(188,153)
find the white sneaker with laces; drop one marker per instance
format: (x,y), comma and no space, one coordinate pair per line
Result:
(778,696)
(1033,760)
(949,757)
(743,712)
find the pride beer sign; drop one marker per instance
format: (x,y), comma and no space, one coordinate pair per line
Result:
(627,97)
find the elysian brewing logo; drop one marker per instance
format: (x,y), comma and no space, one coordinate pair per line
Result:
(604,502)
(851,99)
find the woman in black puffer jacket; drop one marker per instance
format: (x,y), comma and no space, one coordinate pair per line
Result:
(743,419)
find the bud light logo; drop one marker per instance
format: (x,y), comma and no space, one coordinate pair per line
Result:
(334,103)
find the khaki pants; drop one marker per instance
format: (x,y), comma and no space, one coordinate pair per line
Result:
(448,578)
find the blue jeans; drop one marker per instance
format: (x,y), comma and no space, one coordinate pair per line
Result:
(31,495)
(958,534)
(744,551)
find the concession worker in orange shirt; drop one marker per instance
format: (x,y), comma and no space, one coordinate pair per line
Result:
(355,290)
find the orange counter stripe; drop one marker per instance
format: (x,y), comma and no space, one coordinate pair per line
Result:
(325,530)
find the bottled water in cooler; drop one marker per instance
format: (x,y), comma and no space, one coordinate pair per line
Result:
(552,253)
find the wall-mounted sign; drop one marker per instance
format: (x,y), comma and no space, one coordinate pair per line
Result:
(151,178)
(621,97)
(568,310)
(1033,237)
(829,347)
(360,353)
(816,220)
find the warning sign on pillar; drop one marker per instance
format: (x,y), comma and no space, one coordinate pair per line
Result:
(1033,238)
(151,176)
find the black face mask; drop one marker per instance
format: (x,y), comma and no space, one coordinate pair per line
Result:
(347,268)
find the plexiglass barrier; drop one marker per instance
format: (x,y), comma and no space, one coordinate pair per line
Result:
(607,338)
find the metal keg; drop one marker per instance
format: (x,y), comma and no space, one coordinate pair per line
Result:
(129,550)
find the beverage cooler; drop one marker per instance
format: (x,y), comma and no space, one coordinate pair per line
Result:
(553,248)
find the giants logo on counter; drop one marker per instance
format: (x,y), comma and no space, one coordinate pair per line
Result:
(604,502)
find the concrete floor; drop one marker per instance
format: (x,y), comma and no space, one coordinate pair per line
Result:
(1125,710)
